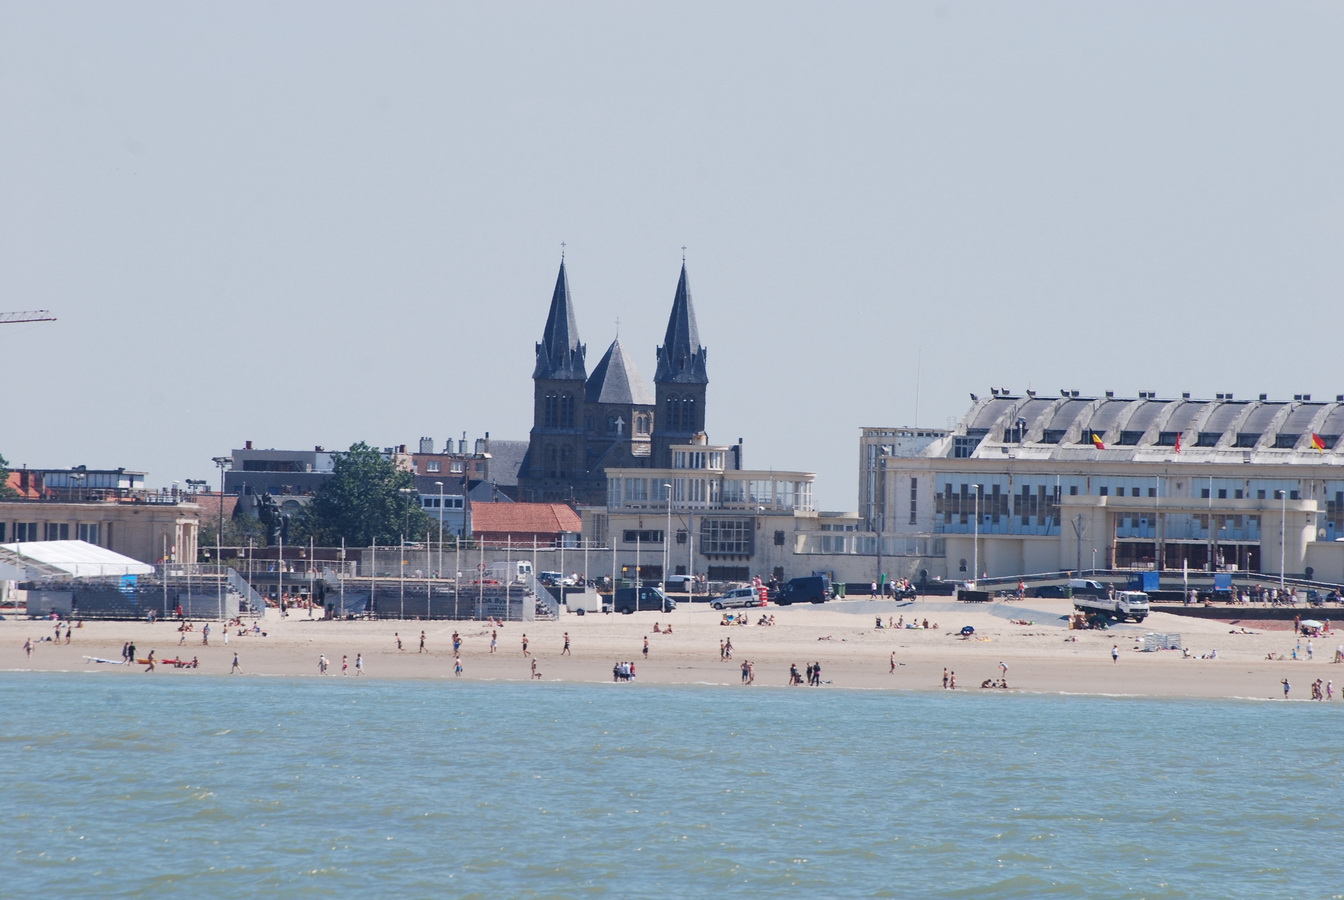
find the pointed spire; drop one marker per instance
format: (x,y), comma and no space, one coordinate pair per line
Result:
(560,355)
(616,380)
(681,358)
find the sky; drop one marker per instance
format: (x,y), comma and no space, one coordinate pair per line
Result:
(303,223)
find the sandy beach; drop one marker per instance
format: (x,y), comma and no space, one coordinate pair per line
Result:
(1043,656)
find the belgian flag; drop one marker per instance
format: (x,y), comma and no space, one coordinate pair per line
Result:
(1096,441)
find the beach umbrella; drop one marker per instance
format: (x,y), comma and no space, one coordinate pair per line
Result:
(1310,623)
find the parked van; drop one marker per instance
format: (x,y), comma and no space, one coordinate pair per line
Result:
(630,599)
(807,589)
(1087,587)
(518,571)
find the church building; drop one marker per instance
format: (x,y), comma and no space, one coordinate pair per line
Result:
(583,424)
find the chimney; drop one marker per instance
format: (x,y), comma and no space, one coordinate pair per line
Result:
(426,445)
(247,445)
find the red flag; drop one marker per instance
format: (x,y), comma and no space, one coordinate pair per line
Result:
(1317,442)
(1096,441)
(1178,442)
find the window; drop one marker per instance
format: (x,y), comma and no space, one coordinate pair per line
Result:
(456,467)
(58,531)
(1103,491)
(914,495)
(25,531)
(551,411)
(433,467)
(1247,439)
(1130,438)
(642,536)
(726,537)
(642,424)
(567,411)
(1286,441)
(1222,493)
(779,539)
(963,446)
(87,533)
(2,532)
(1208,439)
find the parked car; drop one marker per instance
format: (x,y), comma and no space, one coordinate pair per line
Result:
(1048,590)
(737,598)
(805,589)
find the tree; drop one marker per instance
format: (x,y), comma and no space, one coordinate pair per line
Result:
(6,492)
(237,531)
(367,499)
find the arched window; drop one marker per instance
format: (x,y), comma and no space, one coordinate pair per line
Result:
(566,410)
(688,413)
(551,461)
(673,412)
(641,424)
(566,461)
(550,411)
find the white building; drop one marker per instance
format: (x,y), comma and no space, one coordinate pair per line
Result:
(1027,484)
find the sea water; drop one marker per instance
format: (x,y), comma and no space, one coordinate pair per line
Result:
(244,787)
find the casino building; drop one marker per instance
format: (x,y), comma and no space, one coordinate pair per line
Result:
(1034,484)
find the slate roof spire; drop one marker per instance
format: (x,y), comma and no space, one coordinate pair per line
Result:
(560,355)
(616,380)
(681,359)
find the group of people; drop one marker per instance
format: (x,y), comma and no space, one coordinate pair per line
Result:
(900,623)
(621,671)
(813,674)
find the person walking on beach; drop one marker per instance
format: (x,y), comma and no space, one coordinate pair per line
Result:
(149,662)
(892,671)
(359,664)
(457,666)
(535,673)
(565,652)
(28,648)
(322,664)
(235,669)
(494,640)
(205,635)
(457,643)
(130,654)
(646,648)
(181,634)
(952,681)
(1310,654)
(345,664)
(397,637)
(721,656)
(1115,654)
(422,643)
(1286,688)
(944,677)
(727,648)
(526,653)
(816,674)
(746,670)
(1003,669)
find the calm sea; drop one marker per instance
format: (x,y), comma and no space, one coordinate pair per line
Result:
(218,787)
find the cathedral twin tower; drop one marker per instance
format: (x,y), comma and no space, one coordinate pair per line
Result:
(584,424)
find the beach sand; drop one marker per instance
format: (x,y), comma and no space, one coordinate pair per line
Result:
(1043,656)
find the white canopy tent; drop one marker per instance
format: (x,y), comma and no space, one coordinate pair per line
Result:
(79,559)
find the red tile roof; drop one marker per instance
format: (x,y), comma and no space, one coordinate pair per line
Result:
(524,518)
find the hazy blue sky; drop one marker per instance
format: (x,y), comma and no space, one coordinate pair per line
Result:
(314,222)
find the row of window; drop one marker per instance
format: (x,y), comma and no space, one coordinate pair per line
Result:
(434,467)
(964,445)
(718,537)
(49,531)
(448,502)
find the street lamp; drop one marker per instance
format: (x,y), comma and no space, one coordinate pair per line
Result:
(440,484)
(975,544)
(1283,524)
(667,535)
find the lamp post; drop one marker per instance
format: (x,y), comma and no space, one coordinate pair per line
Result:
(440,484)
(1283,525)
(975,543)
(667,535)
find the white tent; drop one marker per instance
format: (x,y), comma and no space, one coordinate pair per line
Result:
(79,559)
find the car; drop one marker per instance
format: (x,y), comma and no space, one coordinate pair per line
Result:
(1048,590)
(737,598)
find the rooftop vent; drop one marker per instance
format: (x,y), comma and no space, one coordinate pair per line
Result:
(1264,396)
(1185,395)
(1073,393)
(1110,395)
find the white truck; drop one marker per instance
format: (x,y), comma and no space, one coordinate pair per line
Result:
(1120,605)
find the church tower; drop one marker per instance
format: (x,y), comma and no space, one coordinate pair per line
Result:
(556,447)
(681,379)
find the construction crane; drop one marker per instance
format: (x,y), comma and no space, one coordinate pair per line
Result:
(32,315)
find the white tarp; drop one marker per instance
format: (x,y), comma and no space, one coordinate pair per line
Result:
(78,558)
